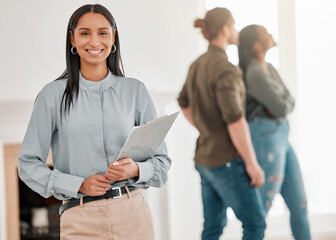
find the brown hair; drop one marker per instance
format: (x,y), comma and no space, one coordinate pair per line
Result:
(213,22)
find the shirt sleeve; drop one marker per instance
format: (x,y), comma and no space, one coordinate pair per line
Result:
(152,172)
(272,94)
(228,93)
(288,95)
(183,99)
(35,147)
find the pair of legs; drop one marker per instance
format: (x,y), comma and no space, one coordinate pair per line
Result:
(229,186)
(282,172)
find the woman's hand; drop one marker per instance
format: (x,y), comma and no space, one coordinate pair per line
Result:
(122,169)
(270,113)
(256,174)
(95,185)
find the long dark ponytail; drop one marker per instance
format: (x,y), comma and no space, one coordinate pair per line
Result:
(114,62)
(248,36)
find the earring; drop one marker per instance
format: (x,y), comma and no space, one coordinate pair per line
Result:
(72,51)
(115,48)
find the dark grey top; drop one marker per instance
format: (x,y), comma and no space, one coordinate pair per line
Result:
(89,138)
(267,95)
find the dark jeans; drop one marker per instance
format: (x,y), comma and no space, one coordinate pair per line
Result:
(282,172)
(229,186)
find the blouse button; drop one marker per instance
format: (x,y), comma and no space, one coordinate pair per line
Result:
(228,164)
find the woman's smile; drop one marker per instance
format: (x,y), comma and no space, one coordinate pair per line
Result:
(95,52)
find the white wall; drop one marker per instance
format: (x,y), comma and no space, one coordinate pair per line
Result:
(316,52)
(157,42)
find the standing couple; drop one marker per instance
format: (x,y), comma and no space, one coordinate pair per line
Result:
(242,154)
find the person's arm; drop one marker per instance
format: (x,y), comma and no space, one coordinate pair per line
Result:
(288,95)
(35,147)
(269,93)
(187,113)
(183,99)
(232,108)
(150,172)
(240,136)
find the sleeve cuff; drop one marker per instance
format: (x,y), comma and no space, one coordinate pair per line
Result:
(183,103)
(68,185)
(233,117)
(146,171)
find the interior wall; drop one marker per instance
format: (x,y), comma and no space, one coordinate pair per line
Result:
(157,42)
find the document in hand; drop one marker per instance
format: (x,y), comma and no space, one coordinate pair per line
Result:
(145,140)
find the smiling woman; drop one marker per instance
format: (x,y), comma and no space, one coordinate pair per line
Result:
(85,117)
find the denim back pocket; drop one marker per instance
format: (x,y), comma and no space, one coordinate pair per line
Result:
(267,126)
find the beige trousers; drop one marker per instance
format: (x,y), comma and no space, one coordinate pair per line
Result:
(125,218)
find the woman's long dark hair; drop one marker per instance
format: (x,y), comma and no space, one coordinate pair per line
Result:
(114,62)
(248,36)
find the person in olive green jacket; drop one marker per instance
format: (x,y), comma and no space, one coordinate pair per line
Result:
(213,100)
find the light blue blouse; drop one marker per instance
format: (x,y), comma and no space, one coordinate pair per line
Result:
(89,138)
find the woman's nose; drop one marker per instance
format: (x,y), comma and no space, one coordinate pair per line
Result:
(94,41)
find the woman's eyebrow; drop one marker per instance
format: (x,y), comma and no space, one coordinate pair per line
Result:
(103,28)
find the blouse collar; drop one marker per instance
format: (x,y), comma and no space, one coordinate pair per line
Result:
(91,86)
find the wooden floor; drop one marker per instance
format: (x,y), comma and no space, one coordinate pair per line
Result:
(315,237)
(318,236)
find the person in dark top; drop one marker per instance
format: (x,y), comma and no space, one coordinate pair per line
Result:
(213,100)
(268,104)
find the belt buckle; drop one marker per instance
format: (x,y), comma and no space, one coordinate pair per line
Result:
(119,192)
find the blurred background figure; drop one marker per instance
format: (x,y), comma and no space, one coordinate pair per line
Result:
(268,104)
(213,100)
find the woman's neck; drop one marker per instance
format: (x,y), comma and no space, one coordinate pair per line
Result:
(260,58)
(94,73)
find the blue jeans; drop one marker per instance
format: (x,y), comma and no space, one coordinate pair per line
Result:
(229,186)
(282,172)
